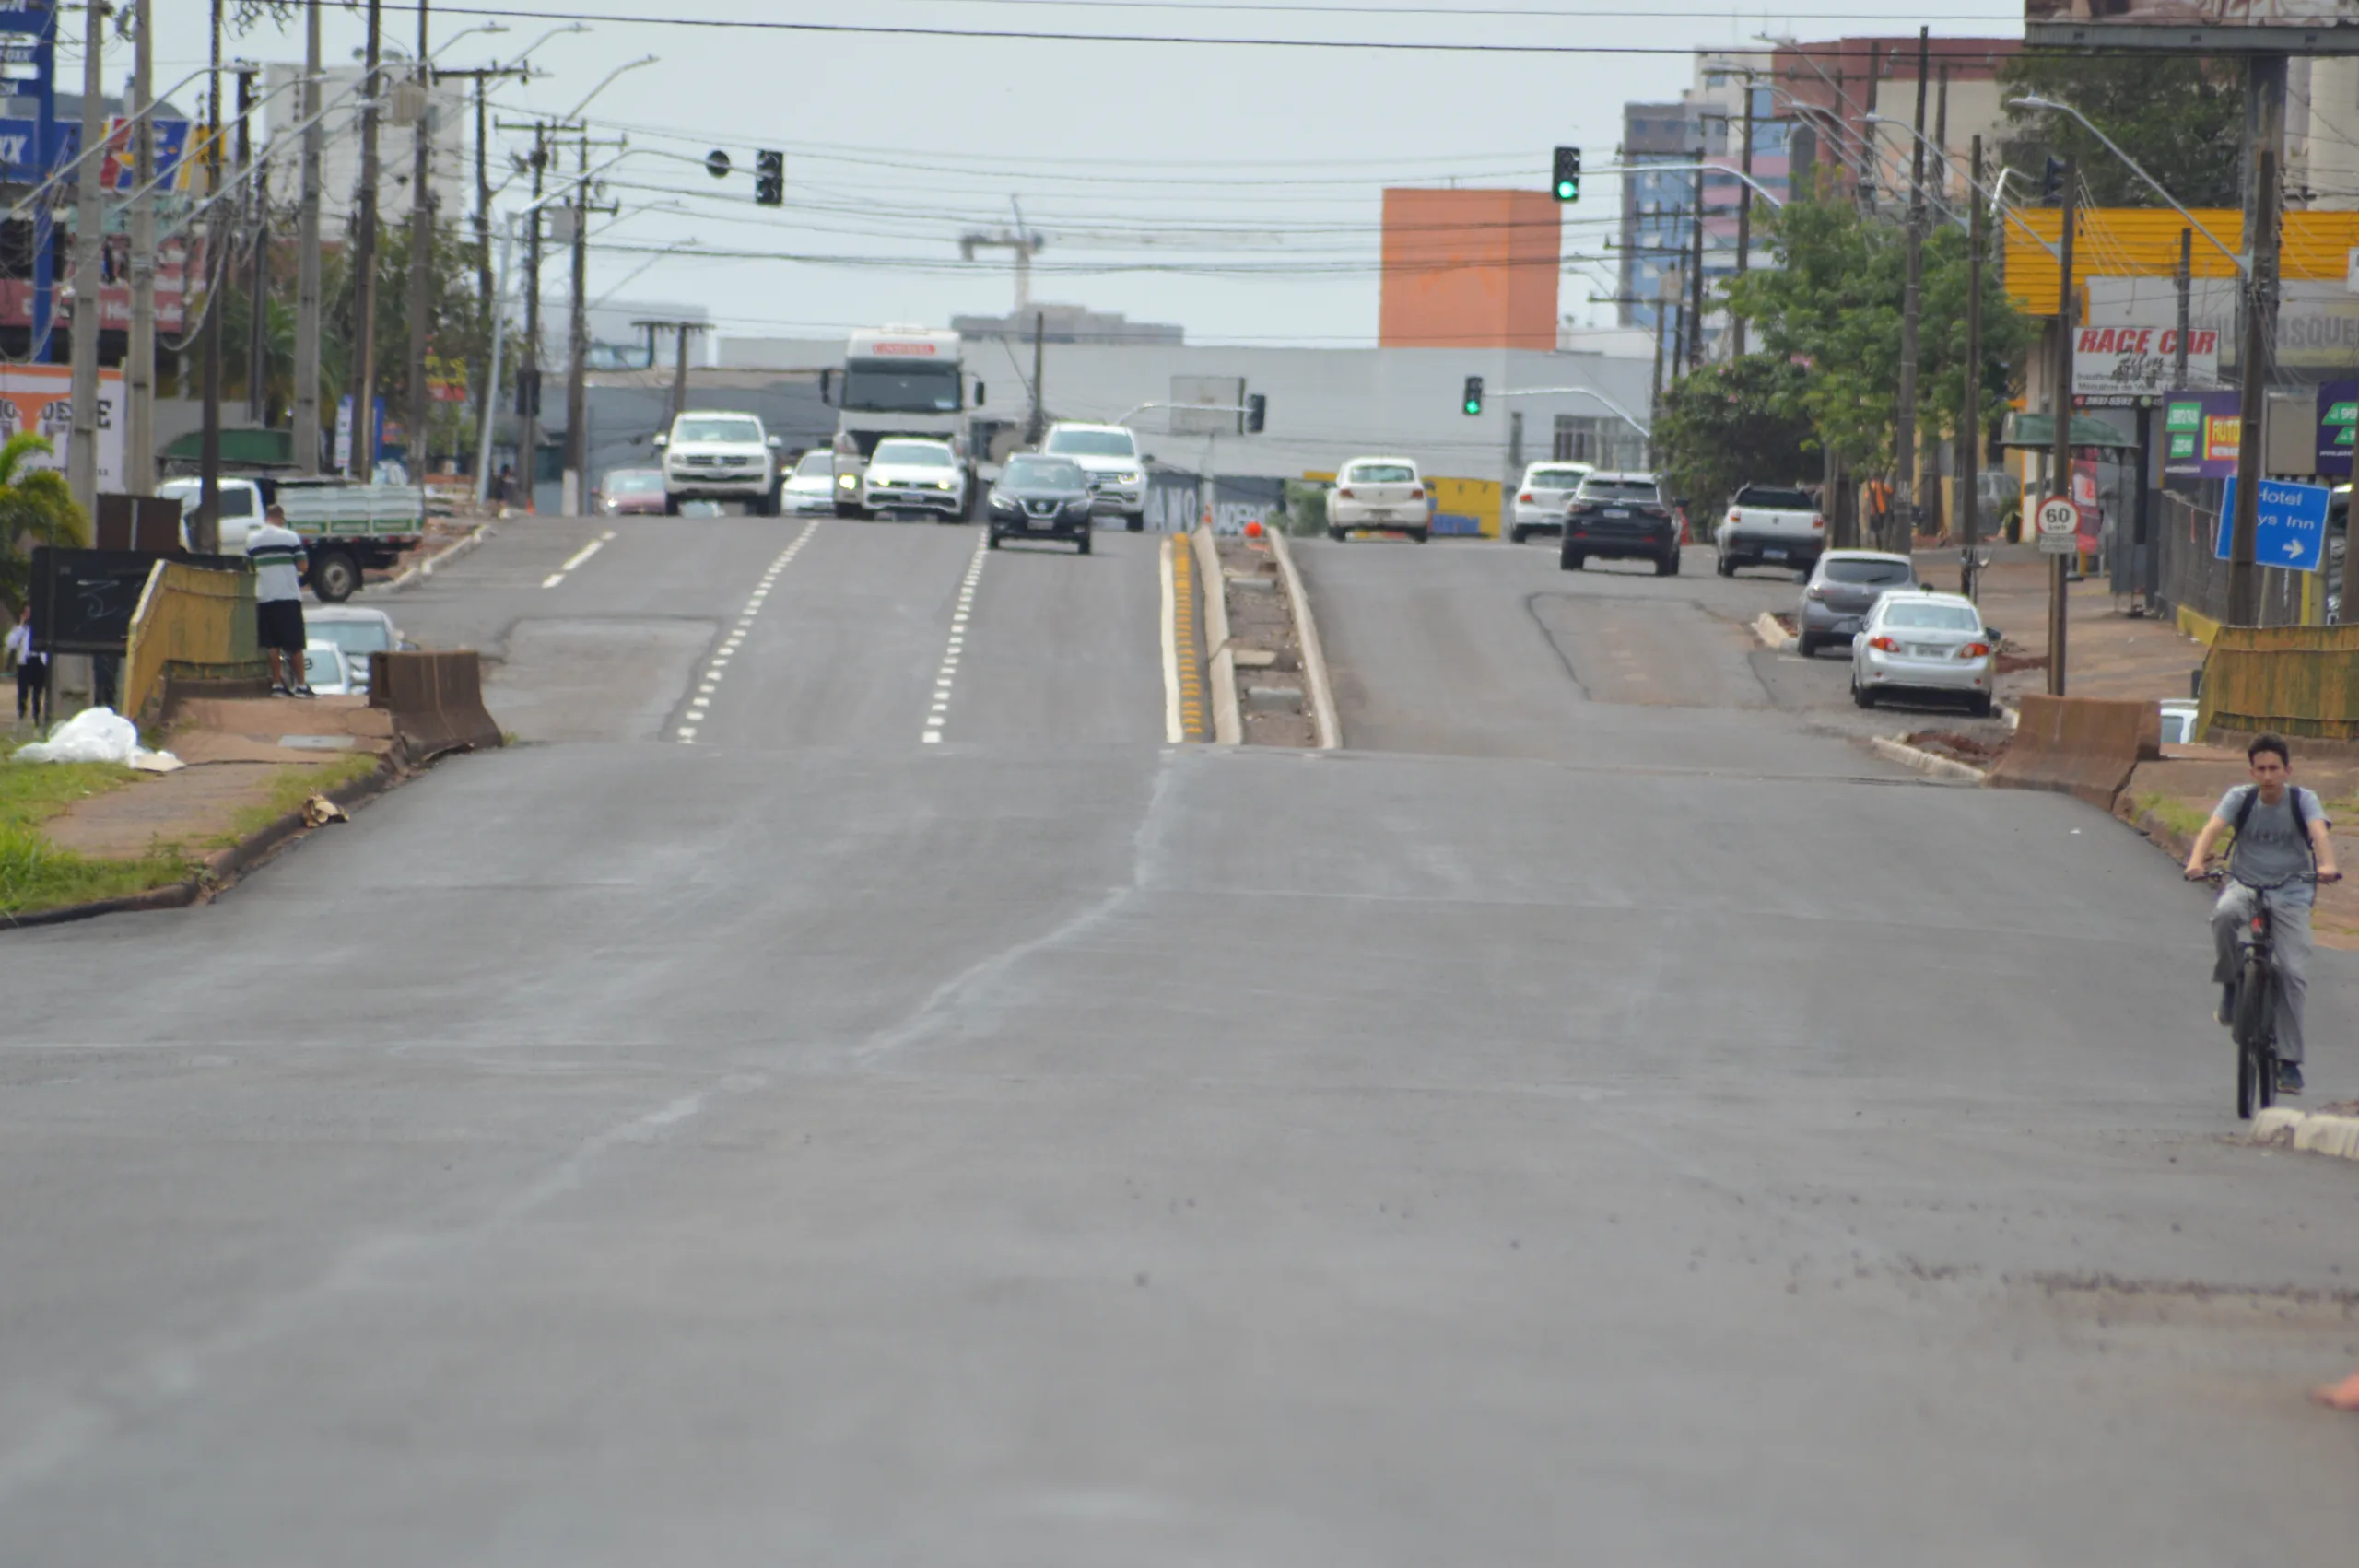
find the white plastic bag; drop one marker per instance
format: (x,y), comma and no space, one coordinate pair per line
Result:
(98,734)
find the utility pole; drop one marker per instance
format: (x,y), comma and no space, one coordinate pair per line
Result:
(1743,221)
(1037,425)
(363,456)
(577,383)
(528,368)
(258,302)
(486,301)
(205,534)
(1969,423)
(82,453)
(2059,468)
(2260,315)
(306,257)
(679,402)
(1904,441)
(1662,320)
(2185,277)
(1696,276)
(139,356)
(421,246)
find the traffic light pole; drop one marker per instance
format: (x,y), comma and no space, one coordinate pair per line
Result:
(2059,467)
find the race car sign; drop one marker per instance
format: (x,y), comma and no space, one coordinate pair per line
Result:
(2142,359)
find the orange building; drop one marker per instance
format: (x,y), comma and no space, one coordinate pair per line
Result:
(1469,269)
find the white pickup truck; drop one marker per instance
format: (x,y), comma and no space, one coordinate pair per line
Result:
(1771,525)
(345,528)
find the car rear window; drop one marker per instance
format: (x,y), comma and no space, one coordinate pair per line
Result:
(1776,498)
(1932,617)
(1616,490)
(1867,573)
(1557,478)
(1381,473)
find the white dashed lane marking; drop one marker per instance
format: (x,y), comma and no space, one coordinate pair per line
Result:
(947,675)
(579,557)
(708,686)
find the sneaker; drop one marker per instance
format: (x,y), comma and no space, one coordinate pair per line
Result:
(2225,1013)
(2289,1078)
(280,689)
(305,691)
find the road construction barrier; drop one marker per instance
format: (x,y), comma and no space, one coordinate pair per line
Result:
(2083,746)
(194,627)
(2295,680)
(436,701)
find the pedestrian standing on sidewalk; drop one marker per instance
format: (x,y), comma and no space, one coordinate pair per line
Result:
(32,670)
(276,551)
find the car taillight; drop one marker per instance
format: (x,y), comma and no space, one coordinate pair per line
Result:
(1974,650)
(1731,517)
(1348,495)
(1525,498)
(1818,525)
(1884,645)
(1416,494)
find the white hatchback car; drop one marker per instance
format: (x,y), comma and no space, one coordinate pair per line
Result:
(1386,494)
(1540,500)
(1925,643)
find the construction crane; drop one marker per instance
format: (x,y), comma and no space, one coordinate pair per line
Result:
(1024,243)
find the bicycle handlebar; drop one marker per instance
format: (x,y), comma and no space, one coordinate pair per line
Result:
(2220,873)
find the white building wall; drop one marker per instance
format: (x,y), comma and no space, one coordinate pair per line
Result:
(450,158)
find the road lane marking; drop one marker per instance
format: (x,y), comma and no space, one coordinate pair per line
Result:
(939,714)
(700,705)
(577,558)
(1187,666)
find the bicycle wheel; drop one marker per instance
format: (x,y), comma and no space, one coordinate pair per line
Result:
(2249,1029)
(2264,1074)
(2245,1077)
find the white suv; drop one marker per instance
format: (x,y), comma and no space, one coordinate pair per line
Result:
(712,456)
(1540,500)
(1108,456)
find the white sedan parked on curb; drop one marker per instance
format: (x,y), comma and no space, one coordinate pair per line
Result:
(1386,494)
(1925,644)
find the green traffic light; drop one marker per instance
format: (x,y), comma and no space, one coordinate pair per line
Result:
(1566,190)
(1473,406)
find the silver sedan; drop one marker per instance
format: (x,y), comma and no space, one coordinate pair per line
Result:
(1925,643)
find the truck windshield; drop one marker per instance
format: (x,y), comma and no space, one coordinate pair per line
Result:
(900,388)
(1093,443)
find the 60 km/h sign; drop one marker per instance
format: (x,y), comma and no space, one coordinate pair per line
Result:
(2060,525)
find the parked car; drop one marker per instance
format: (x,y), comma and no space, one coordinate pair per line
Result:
(1109,455)
(811,488)
(1925,644)
(1384,494)
(1620,517)
(907,477)
(1541,499)
(326,669)
(720,456)
(1843,588)
(630,490)
(1040,497)
(2179,723)
(359,632)
(1770,525)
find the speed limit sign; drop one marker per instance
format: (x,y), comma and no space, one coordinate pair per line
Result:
(2060,525)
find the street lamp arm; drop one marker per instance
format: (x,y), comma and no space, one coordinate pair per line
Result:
(601,87)
(2244,267)
(1650,168)
(1619,411)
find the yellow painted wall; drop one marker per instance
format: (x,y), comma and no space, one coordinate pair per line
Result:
(1478,498)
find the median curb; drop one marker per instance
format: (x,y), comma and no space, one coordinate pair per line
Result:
(1229,723)
(419,570)
(1927,763)
(2311,1133)
(1772,635)
(1314,653)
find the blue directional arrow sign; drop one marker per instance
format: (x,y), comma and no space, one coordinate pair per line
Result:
(2292,525)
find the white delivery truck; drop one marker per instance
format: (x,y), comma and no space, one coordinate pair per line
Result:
(345,528)
(898,381)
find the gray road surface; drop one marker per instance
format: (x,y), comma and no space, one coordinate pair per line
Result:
(1629,1127)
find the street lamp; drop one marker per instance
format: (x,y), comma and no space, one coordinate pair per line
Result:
(601,87)
(2243,268)
(1989,191)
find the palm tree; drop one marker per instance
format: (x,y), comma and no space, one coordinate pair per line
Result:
(36,508)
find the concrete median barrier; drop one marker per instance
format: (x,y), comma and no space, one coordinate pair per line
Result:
(435,701)
(2080,745)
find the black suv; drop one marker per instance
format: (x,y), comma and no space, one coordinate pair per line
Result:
(1040,497)
(1620,517)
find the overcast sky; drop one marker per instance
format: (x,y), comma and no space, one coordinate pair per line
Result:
(1123,154)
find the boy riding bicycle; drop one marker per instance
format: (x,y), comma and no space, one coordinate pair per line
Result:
(2281,836)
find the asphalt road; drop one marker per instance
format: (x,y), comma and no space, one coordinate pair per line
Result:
(1604,1117)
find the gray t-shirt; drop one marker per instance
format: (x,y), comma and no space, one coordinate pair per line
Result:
(2270,847)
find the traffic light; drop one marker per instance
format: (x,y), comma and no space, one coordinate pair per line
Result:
(1473,395)
(1257,413)
(1567,184)
(2051,184)
(769,179)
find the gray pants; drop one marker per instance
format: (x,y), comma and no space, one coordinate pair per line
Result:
(2289,915)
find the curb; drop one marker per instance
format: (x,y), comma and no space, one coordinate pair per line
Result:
(1228,724)
(1923,761)
(222,868)
(1314,653)
(420,570)
(2310,1132)
(1772,635)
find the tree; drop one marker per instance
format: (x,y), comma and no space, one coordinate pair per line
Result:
(2181,116)
(1728,425)
(36,506)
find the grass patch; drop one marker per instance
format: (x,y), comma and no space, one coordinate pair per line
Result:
(290,787)
(2183,817)
(32,792)
(34,874)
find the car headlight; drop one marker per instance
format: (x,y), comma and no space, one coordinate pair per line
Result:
(847,481)
(1126,479)
(1003,504)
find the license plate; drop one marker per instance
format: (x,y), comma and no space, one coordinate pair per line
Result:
(1616,512)
(1773,555)
(1923,651)
(1388,514)
(1039,522)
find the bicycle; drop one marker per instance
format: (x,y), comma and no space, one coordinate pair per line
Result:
(2253,1024)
